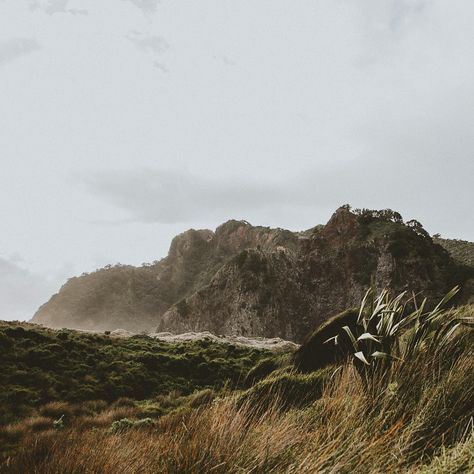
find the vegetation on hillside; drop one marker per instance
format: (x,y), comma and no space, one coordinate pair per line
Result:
(414,417)
(386,330)
(40,365)
(461,250)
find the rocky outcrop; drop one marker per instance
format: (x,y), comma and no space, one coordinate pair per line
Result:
(256,281)
(256,293)
(288,293)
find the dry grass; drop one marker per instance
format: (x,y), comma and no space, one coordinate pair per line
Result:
(457,460)
(345,431)
(353,427)
(105,418)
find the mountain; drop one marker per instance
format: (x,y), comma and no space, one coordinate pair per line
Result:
(133,298)
(258,281)
(285,293)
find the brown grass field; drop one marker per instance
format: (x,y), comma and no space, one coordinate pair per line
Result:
(410,414)
(420,422)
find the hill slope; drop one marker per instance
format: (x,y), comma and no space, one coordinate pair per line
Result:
(41,365)
(275,419)
(461,250)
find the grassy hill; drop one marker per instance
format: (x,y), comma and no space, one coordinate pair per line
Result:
(40,365)
(461,250)
(75,402)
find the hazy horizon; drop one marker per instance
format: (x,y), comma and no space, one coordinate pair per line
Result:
(127,122)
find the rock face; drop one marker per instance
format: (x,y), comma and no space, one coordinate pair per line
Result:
(256,281)
(287,293)
(256,293)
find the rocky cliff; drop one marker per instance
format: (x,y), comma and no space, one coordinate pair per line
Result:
(257,281)
(287,293)
(134,298)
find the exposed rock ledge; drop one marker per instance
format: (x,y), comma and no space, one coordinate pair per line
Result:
(275,344)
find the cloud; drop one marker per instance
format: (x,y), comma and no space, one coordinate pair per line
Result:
(56,6)
(21,291)
(148,43)
(49,6)
(78,11)
(151,44)
(420,188)
(149,195)
(15,48)
(52,7)
(161,67)
(226,60)
(402,11)
(147,6)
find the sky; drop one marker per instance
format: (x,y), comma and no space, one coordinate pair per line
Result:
(126,122)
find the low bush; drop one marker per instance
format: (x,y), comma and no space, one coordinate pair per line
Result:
(202,397)
(38,423)
(285,390)
(10,434)
(58,409)
(261,370)
(120,426)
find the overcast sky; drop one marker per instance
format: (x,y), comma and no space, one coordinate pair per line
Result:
(125,122)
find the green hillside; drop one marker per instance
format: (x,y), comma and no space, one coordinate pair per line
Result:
(73,402)
(461,250)
(40,365)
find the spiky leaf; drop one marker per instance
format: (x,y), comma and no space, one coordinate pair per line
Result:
(367,336)
(360,355)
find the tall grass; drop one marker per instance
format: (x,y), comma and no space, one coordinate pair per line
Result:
(401,426)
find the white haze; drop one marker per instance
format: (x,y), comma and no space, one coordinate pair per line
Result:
(125,122)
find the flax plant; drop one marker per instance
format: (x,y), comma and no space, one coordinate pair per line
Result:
(387,330)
